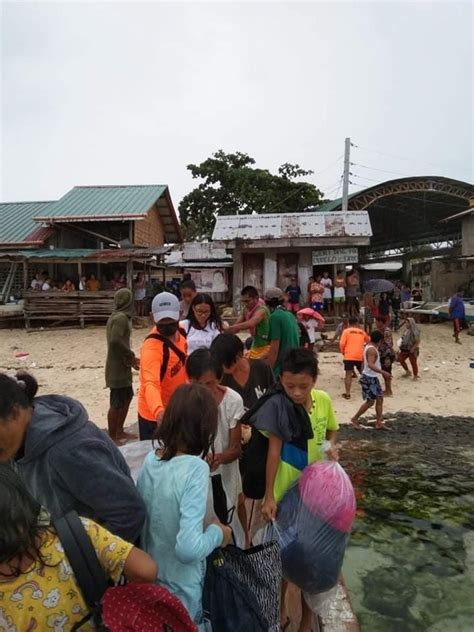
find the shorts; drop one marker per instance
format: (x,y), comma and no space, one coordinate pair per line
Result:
(339,299)
(318,307)
(368,316)
(352,300)
(146,428)
(121,397)
(371,389)
(350,365)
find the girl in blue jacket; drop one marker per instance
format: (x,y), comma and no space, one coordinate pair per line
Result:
(174,484)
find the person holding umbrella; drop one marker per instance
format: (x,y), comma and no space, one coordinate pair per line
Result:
(311,320)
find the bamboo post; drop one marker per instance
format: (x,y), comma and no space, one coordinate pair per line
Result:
(130,274)
(25,275)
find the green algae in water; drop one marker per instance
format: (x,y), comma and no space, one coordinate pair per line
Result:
(409,565)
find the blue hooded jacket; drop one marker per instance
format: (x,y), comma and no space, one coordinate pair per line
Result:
(68,463)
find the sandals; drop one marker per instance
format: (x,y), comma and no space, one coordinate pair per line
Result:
(346,396)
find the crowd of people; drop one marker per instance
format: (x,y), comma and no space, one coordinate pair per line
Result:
(42,282)
(249,414)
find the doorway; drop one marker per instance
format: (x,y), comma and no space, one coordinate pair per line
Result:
(287,268)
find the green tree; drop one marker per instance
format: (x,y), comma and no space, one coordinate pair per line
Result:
(233,185)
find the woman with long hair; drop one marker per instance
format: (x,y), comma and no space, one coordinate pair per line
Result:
(174,483)
(410,348)
(39,589)
(203,323)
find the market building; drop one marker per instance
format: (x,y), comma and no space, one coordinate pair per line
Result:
(269,249)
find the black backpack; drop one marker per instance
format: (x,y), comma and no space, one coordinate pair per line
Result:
(167,345)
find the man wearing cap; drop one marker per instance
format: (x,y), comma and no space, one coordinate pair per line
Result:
(119,363)
(162,363)
(283,331)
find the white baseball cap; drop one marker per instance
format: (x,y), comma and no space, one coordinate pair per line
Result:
(165,305)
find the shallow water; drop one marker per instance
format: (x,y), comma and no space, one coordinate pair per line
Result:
(410,562)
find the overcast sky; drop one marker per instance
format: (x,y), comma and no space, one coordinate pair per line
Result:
(130,93)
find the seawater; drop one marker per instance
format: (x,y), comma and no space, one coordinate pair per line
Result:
(409,566)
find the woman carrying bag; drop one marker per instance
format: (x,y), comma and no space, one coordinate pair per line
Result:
(410,348)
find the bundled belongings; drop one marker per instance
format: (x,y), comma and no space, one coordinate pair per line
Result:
(313,525)
(242,589)
(276,413)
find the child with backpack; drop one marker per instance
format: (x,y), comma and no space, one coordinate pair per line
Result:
(203,367)
(297,419)
(162,363)
(39,588)
(174,484)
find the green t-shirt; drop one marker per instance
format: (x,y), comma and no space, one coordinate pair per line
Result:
(283,327)
(322,419)
(261,331)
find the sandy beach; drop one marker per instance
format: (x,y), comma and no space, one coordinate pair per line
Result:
(71,362)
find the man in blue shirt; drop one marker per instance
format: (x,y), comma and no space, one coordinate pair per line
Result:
(294,295)
(457,313)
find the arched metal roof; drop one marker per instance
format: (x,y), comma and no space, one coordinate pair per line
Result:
(407,212)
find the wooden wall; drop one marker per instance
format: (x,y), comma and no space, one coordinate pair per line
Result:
(149,231)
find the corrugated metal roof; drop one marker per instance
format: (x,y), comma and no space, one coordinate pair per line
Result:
(201,264)
(17,225)
(104,201)
(292,226)
(112,254)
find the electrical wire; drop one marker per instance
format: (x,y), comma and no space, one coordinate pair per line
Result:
(356,175)
(396,173)
(318,173)
(337,186)
(332,186)
(413,160)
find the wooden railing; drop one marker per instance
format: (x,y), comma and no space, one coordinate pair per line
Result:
(57,308)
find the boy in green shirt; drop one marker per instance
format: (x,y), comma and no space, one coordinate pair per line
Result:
(283,331)
(291,446)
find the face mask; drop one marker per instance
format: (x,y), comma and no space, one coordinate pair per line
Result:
(167,330)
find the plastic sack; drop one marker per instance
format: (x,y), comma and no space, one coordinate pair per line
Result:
(312,526)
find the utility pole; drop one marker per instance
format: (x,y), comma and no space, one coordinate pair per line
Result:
(345,180)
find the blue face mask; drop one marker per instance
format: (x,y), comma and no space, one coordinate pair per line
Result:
(167,330)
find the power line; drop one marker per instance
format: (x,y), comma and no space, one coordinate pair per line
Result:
(413,160)
(356,175)
(396,173)
(318,173)
(334,186)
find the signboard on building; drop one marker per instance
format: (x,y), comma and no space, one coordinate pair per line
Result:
(335,255)
(210,280)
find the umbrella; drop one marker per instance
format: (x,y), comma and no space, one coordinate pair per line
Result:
(307,311)
(378,285)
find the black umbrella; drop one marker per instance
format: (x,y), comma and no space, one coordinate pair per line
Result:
(376,286)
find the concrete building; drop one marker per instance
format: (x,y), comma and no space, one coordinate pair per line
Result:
(269,249)
(467,229)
